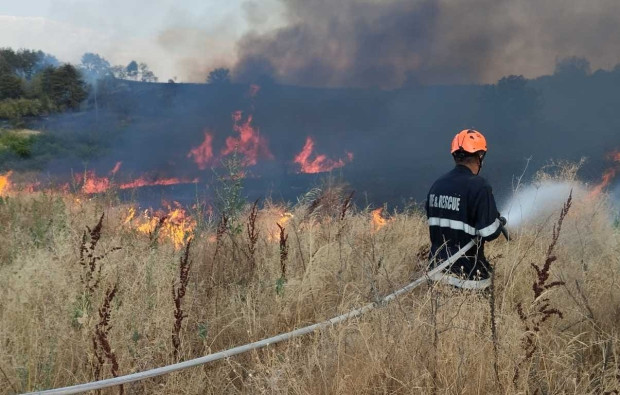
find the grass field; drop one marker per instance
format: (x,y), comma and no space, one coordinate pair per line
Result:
(67,317)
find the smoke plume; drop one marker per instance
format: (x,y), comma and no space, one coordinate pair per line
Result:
(388,43)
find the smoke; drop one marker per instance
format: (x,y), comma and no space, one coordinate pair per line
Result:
(388,43)
(536,203)
(615,196)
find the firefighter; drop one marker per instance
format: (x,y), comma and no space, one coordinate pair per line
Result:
(460,207)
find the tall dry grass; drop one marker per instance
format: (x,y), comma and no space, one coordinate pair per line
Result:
(434,340)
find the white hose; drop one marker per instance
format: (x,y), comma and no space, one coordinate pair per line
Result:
(259,344)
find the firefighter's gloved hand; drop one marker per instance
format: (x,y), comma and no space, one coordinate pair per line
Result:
(503,221)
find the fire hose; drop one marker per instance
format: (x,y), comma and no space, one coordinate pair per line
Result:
(96,385)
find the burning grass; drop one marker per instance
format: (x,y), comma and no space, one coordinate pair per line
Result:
(309,263)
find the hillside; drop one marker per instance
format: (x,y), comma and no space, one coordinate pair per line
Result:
(396,139)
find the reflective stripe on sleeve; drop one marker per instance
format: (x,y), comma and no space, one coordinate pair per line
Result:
(489,230)
(452,224)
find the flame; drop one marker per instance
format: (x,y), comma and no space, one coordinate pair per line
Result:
(31,187)
(91,183)
(281,218)
(606,179)
(116,168)
(130,215)
(608,175)
(5,182)
(378,221)
(145,182)
(203,154)
(174,224)
(284,218)
(320,163)
(249,143)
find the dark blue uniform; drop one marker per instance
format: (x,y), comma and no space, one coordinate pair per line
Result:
(460,207)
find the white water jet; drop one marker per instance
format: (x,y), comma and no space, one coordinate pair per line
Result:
(536,203)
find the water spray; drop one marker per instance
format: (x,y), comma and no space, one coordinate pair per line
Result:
(535,203)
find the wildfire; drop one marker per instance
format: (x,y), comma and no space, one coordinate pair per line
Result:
(116,168)
(321,163)
(91,183)
(283,217)
(203,154)
(608,175)
(130,215)
(173,224)
(249,143)
(5,182)
(146,182)
(378,221)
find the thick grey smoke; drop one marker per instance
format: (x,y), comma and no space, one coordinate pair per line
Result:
(387,43)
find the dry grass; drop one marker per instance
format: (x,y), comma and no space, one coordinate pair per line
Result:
(434,340)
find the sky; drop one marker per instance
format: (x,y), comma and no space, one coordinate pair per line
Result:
(183,39)
(363,43)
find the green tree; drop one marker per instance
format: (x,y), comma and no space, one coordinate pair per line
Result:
(219,76)
(511,103)
(22,63)
(119,72)
(11,87)
(132,70)
(573,66)
(95,67)
(63,86)
(146,75)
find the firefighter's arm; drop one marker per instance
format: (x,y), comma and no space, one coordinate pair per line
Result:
(488,223)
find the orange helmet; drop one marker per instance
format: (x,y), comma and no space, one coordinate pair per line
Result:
(470,141)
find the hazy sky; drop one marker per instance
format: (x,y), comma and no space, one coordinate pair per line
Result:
(366,43)
(183,39)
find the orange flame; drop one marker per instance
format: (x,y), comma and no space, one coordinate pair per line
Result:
(175,224)
(91,183)
(283,219)
(203,154)
(116,168)
(5,182)
(320,163)
(130,215)
(145,182)
(378,221)
(608,175)
(249,143)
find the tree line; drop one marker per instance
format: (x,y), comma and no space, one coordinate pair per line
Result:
(33,83)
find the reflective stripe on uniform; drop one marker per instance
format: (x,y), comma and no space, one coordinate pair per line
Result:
(452,224)
(489,230)
(459,225)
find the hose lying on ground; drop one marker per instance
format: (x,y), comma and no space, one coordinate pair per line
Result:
(95,385)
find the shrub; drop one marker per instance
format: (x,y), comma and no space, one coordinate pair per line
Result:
(20,145)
